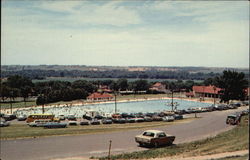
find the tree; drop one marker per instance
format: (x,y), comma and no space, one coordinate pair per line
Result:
(141,85)
(122,84)
(232,84)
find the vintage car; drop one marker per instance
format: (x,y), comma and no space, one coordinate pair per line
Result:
(38,123)
(55,125)
(4,123)
(84,122)
(107,121)
(22,118)
(71,117)
(233,119)
(72,123)
(154,138)
(168,118)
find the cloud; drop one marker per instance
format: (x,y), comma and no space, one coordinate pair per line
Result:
(101,34)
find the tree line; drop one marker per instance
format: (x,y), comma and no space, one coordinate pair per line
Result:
(231,82)
(148,74)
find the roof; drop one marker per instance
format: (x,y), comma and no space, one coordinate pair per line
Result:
(189,94)
(206,89)
(100,95)
(158,84)
(154,131)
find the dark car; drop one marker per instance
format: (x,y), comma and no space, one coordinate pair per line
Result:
(130,120)
(84,122)
(71,117)
(55,125)
(98,117)
(87,117)
(178,117)
(95,122)
(119,120)
(222,107)
(148,119)
(233,119)
(22,118)
(9,117)
(107,121)
(157,118)
(4,123)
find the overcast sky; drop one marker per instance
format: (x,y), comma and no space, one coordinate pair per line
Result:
(125,33)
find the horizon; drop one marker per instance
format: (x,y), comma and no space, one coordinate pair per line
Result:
(126,33)
(82,65)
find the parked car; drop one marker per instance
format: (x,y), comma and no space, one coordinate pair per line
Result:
(245,112)
(245,103)
(95,122)
(1,115)
(107,121)
(154,138)
(130,120)
(84,122)
(233,119)
(9,117)
(148,119)
(119,120)
(55,125)
(221,107)
(98,117)
(61,117)
(232,106)
(139,120)
(71,117)
(72,123)
(87,117)
(168,118)
(4,123)
(157,118)
(22,118)
(178,117)
(38,123)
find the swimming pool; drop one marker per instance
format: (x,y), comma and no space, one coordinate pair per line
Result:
(127,107)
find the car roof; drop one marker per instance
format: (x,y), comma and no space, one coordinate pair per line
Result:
(154,131)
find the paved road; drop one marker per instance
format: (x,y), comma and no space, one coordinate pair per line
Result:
(48,148)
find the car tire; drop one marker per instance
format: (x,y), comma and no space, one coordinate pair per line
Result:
(156,144)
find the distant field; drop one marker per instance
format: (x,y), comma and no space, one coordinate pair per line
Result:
(71,79)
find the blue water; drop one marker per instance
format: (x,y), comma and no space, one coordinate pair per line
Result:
(128,107)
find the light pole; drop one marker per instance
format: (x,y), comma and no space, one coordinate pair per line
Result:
(115,103)
(11,96)
(214,94)
(172,104)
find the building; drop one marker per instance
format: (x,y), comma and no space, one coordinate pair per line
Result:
(100,97)
(205,91)
(158,87)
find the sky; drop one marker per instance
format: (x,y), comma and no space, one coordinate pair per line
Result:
(125,33)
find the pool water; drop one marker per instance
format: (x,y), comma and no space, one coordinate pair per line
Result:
(122,107)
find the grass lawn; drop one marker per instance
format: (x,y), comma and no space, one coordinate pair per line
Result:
(23,130)
(232,140)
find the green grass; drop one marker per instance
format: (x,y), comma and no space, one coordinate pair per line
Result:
(23,130)
(232,140)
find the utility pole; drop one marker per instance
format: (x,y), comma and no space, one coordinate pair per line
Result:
(115,103)
(109,149)
(214,94)
(172,104)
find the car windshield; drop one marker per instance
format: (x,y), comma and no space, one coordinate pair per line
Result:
(162,135)
(150,134)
